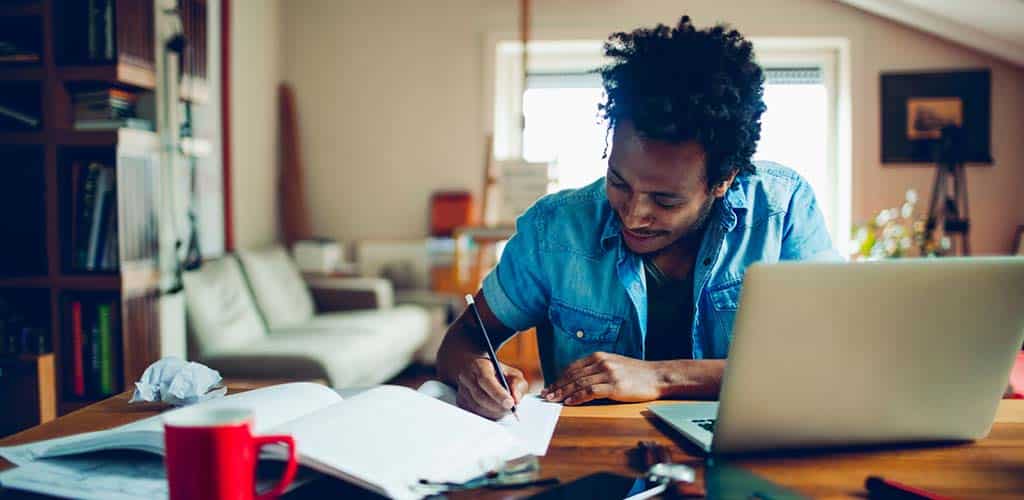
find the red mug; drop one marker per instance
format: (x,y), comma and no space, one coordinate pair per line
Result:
(211,454)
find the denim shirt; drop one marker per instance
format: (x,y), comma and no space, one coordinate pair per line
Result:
(568,272)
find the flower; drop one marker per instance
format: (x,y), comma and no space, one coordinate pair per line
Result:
(894,233)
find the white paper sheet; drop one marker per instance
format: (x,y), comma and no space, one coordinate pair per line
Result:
(537,417)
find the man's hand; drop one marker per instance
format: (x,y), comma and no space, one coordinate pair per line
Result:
(603,375)
(481,392)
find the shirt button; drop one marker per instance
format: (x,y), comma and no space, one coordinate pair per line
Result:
(707,261)
(579,334)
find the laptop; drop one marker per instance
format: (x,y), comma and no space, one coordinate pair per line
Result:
(851,354)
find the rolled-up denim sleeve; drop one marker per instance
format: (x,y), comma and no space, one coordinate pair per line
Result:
(516,290)
(805,235)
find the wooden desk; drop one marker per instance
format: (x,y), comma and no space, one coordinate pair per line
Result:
(596,438)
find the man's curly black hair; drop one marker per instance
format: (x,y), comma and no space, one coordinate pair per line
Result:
(683,84)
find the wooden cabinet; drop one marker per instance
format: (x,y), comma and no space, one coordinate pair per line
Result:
(27,387)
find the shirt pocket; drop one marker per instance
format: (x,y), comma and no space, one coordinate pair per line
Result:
(726,296)
(725,300)
(583,326)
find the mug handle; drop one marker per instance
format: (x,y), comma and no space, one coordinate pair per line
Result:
(289,471)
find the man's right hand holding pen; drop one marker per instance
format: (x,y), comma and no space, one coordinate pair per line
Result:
(463,361)
(480,391)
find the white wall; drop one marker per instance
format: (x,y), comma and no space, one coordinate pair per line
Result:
(256,27)
(391,107)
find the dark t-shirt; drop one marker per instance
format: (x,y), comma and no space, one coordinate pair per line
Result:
(669,315)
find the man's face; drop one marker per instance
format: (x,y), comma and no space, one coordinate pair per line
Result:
(659,190)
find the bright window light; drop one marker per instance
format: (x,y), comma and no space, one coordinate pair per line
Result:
(794,133)
(563,128)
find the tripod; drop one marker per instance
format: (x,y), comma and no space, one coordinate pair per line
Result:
(949,208)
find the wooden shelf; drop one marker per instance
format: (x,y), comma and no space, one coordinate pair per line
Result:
(125,74)
(30,137)
(20,72)
(99,281)
(25,282)
(19,9)
(89,138)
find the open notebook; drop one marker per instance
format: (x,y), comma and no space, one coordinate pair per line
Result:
(384,439)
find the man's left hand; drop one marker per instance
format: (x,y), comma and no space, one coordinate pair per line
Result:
(606,376)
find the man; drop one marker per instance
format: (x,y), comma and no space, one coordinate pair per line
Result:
(633,281)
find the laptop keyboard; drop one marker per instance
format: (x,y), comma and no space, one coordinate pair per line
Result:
(707,424)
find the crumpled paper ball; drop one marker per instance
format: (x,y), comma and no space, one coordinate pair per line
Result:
(178,382)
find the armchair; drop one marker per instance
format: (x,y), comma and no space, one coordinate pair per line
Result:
(253,316)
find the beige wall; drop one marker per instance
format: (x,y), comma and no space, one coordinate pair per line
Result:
(391,103)
(255,72)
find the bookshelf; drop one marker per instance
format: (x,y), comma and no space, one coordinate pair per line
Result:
(106,263)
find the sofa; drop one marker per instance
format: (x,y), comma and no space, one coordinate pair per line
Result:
(411,266)
(253,315)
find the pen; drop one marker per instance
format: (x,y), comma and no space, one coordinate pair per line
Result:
(888,489)
(490,351)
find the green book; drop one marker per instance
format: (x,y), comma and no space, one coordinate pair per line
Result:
(106,350)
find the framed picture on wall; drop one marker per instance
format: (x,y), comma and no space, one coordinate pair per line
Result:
(916,106)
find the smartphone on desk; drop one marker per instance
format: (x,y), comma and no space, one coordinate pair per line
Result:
(603,486)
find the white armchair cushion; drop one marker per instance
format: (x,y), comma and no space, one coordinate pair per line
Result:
(221,312)
(354,348)
(277,285)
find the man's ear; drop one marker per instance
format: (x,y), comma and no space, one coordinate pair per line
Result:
(723,187)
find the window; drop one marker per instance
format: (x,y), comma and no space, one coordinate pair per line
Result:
(795,131)
(563,128)
(802,128)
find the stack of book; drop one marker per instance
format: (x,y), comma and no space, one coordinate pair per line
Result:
(107,109)
(94,216)
(93,347)
(20,335)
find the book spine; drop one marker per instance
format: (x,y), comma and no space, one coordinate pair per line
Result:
(108,30)
(110,262)
(106,350)
(76,205)
(87,194)
(78,376)
(105,219)
(92,345)
(28,121)
(96,221)
(115,342)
